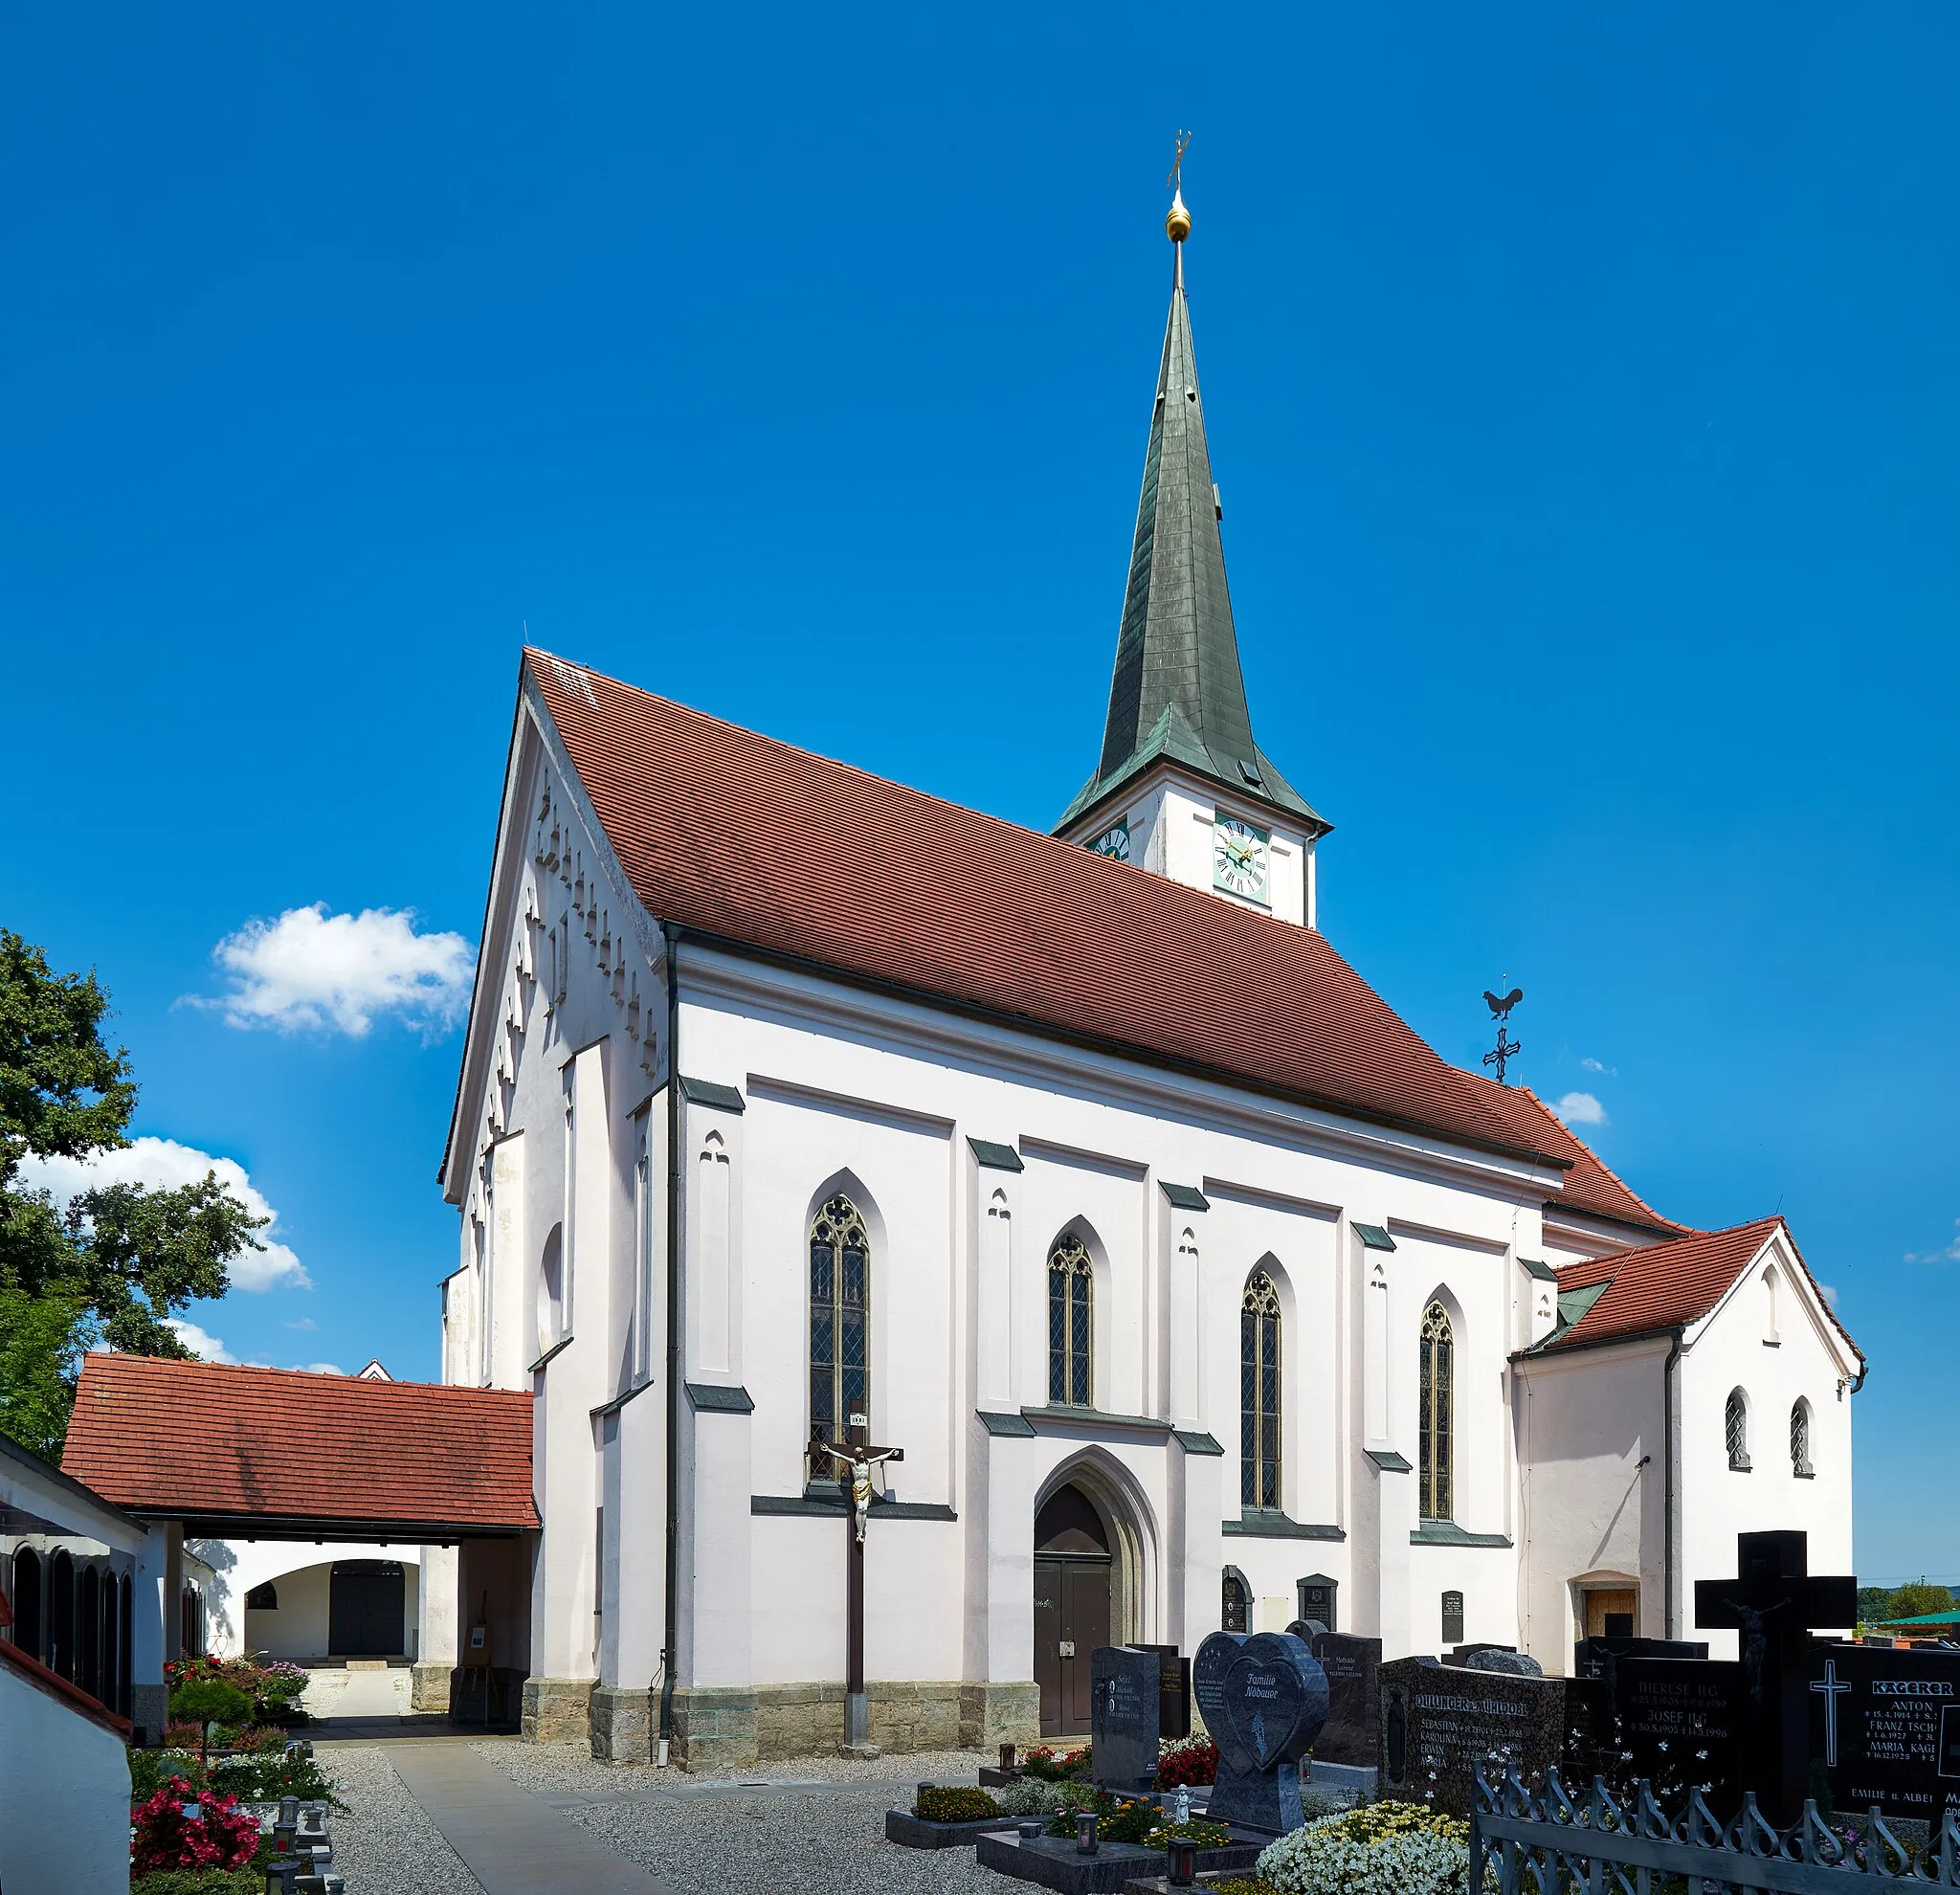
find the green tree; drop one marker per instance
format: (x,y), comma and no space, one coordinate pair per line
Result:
(1916,1597)
(120,1259)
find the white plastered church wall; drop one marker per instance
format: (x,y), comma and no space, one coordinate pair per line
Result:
(1776,1360)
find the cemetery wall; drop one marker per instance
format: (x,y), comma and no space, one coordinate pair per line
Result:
(64,1793)
(1589,1510)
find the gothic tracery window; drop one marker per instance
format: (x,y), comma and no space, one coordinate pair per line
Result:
(1437,1429)
(1259,1393)
(839,1302)
(1071,1326)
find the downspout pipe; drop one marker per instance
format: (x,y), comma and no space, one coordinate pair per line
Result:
(671,1630)
(1669,1585)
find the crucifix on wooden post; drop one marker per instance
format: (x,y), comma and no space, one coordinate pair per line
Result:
(856,1462)
(1774,1605)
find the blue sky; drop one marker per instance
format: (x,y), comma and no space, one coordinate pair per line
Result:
(1581,389)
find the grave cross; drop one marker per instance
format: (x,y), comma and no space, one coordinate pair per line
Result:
(1833,1688)
(1774,1605)
(856,1462)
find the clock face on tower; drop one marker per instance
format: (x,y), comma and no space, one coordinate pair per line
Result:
(1239,857)
(1114,842)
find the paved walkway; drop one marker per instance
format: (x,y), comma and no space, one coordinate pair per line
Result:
(514,1842)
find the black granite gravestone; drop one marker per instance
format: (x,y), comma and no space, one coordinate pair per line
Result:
(1352,1732)
(1773,1604)
(1317,1594)
(1887,1727)
(1173,1695)
(1439,1723)
(1125,1685)
(1265,1701)
(1497,1657)
(1679,1723)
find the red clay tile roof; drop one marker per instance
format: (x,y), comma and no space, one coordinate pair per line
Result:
(1661,1285)
(1590,1185)
(740,837)
(200,1440)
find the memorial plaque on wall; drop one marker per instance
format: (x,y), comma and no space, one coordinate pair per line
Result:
(1441,1723)
(1680,1722)
(1887,1727)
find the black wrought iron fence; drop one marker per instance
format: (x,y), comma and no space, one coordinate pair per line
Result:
(1550,1842)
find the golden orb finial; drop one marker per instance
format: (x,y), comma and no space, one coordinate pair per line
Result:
(1177,225)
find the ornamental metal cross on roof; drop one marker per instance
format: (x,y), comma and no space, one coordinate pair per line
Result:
(1506,1049)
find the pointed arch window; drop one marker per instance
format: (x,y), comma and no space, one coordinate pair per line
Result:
(1800,1441)
(1259,1393)
(1071,1323)
(1735,1428)
(840,1305)
(1438,1384)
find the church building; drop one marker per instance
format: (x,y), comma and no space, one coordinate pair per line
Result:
(1195,1290)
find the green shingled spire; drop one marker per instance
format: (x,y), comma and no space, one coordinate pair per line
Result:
(1178,692)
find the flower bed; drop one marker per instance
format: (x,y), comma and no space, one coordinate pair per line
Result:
(1186,1762)
(1053,1766)
(1382,1849)
(219,1837)
(273,1684)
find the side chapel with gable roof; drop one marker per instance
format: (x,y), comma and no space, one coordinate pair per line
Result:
(1195,1287)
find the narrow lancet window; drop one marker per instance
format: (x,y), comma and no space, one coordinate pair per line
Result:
(1259,1393)
(1070,1325)
(839,1302)
(1438,1384)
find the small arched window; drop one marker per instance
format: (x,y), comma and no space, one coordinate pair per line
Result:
(1735,1426)
(1071,1324)
(1800,1440)
(263,1597)
(1259,1393)
(839,1304)
(1437,1390)
(1233,1613)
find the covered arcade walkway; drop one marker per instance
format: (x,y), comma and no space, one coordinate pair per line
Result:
(203,1452)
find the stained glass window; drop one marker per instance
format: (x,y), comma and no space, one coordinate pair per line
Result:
(1800,1439)
(1070,1325)
(839,1302)
(1437,1413)
(1259,1393)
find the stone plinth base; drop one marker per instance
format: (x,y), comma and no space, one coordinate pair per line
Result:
(994,1714)
(429,1686)
(557,1711)
(714,1725)
(623,1723)
(149,1711)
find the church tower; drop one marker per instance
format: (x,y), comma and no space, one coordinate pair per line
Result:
(1182,789)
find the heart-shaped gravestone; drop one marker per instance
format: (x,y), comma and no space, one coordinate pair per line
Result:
(1274,1699)
(1215,1656)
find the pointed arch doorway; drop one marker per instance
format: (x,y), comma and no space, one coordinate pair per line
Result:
(1080,1602)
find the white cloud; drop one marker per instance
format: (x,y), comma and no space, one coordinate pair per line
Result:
(1829,1292)
(312,1368)
(1597,1066)
(201,1343)
(1947,1253)
(310,969)
(305,1323)
(1580,1108)
(163,1165)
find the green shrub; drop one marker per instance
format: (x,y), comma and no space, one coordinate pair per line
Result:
(200,1882)
(150,1769)
(943,1803)
(1031,1796)
(264,1776)
(210,1701)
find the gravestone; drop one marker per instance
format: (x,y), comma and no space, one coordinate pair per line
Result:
(1497,1657)
(1124,1683)
(1352,1732)
(1317,1594)
(1264,1700)
(1440,1723)
(1678,1721)
(1774,1604)
(1887,1727)
(1173,1693)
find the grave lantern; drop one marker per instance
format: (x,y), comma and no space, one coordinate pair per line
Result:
(1086,1832)
(1183,1861)
(1006,1756)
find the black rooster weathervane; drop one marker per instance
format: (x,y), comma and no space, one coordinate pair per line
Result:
(1506,1049)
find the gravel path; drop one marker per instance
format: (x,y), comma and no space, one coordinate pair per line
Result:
(813,1824)
(387,1845)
